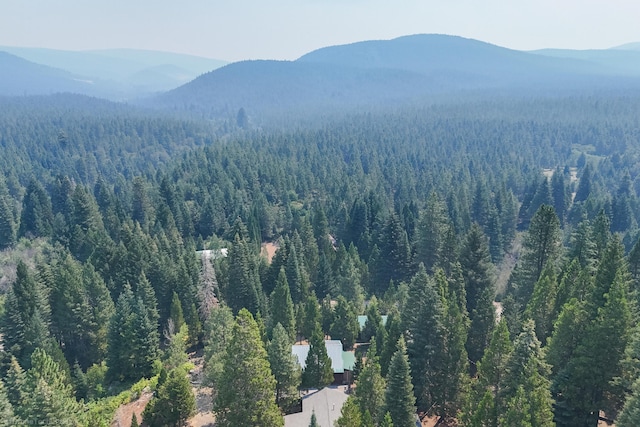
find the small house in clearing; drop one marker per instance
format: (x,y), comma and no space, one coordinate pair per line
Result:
(342,362)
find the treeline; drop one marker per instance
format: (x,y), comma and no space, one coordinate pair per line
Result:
(404,214)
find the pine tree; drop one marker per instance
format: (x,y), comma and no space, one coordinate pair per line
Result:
(246,386)
(350,415)
(560,194)
(102,309)
(37,217)
(176,314)
(218,331)
(296,275)
(49,398)
(517,411)
(370,389)
(399,397)
(568,331)
(582,245)
(542,244)
(426,340)
(348,278)
(630,415)
(394,331)
(175,353)
(7,222)
(311,315)
(25,324)
(324,284)
(133,339)
(145,292)
(15,380)
(284,367)
(314,420)
(584,386)
(282,307)
(526,375)
(79,381)
(242,291)
(345,326)
(394,261)
(174,402)
(431,233)
(386,421)
(145,347)
(6,409)
(480,289)
(541,307)
(326,315)
(487,400)
(455,366)
(373,324)
(80,309)
(584,186)
(317,372)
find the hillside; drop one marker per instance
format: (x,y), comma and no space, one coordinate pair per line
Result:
(615,61)
(21,77)
(379,73)
(129,72)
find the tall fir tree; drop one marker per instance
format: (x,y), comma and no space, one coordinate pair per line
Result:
(174,402)
(218,332)
(37,217)
(426,342)
(284,367)
(243,286)
(282,307)
(630,414)
(399,397)
(49,398)
(541,245)
(312,315)
(7,221)
(25,324)
(7,418)
(527,379)
(431,234)
(477,271)
(345,326)
(246,388)
(133,341)
(350,415)
(370,389)
(541,307)
(487,400)
(317,372)
(585,385)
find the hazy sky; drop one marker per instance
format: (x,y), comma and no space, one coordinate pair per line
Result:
(286,29)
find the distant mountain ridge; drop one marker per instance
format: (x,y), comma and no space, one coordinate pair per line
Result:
(20,77)
(628,46)
(385,72)
(126,72)
(375,73)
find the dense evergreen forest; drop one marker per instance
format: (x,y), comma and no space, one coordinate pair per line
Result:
(498,236)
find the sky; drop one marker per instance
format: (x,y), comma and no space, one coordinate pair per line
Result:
(286,29)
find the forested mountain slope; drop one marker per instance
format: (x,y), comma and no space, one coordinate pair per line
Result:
(405,212)
(19,77)
(408,69)
(130,72)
